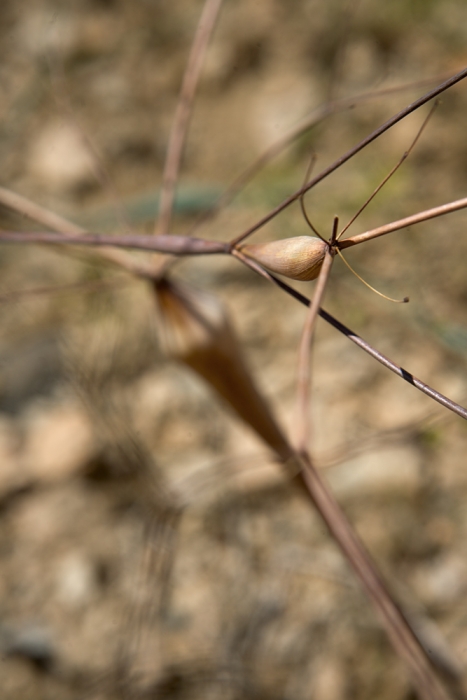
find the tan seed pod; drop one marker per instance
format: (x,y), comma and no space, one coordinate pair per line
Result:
(298,258)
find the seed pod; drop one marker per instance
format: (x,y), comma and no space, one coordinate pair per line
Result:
(298,258)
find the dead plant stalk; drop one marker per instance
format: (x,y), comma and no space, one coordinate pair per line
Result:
(209,342)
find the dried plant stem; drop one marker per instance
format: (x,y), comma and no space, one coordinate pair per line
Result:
(400,371)
(182,245)
(198,333)
(75,235)
(353,151)
(391,172)
(398,628)
(183,112)
(173,245)
(403,223)
(312,119)
(35,212)
(304,374)
(363,344)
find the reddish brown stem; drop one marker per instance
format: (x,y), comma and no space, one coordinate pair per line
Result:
(173,245)
(181,245)
(353,151)
(183,112)
(48,218)
(403,223)
(304,374)
(391,172)
(363,344)
(308,122)
(399,630)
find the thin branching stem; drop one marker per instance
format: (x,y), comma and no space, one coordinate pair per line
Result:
(302,199)
(173,245)
(304,360)
(71,234)
(182,245)
(403,638)
(404,223)
(391,172)
(314,487)
(183,112)
(35,212)
(315,117)
(352,152)
(24,206)
(400,632)
(363,344)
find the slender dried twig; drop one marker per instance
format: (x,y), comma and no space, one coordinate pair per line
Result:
(48,218)
(35,212)
(174,245)
(393,170)
(363,344)
(182,245)
(302,200)
(403,223)
(303,380)
(315,117)
(208,355)
(352,152)
(398,628)
(400,371)
(183,112)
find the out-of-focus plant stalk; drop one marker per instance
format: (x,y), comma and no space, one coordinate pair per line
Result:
(195,329)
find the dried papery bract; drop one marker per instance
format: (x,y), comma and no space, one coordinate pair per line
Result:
(298,258)
(195,329)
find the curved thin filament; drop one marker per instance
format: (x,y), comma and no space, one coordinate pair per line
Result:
(396,301)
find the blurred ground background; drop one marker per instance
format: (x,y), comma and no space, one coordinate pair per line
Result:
(220,581)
